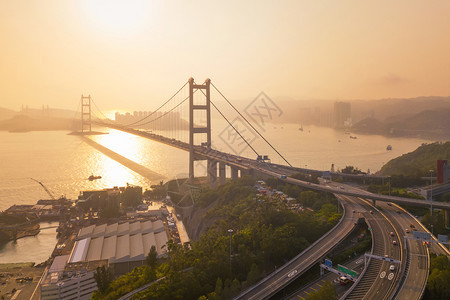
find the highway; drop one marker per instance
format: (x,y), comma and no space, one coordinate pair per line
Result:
(417,255)
(302,262)
(378,282)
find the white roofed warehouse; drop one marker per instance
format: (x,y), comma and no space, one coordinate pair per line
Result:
(124,245)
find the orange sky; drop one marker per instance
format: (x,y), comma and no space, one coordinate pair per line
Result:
(135,54)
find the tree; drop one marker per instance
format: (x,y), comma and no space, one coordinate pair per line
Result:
(352,170)
(152,257)
(327,291)
(103,276)
(253,275)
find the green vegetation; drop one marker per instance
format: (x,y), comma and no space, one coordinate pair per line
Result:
(327,291)
(435,223)
(393,191)
(352,170)
(419,162)
(103,276)
(438,281)
(265,235)
(360,248)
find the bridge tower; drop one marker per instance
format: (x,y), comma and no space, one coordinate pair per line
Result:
(86,114)
(193,129)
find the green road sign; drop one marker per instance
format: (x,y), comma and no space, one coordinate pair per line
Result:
(347,271)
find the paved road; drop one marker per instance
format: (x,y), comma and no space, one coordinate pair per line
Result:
(302,262)
(378,282)
(356,264)
(417,257)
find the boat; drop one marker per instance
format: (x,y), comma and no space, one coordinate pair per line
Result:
(353,137)
(92,177)
(301,128)
(389,148)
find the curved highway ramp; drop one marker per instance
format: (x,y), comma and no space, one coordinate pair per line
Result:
(305,260)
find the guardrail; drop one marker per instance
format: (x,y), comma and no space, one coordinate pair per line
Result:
(365,266)
(293,259)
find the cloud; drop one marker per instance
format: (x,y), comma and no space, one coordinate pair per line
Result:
(393,79)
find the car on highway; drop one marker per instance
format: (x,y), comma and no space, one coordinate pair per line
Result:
(392,268)
(391,233)
(371,212)
(394,242)
(283,176)
(407,230)
(343,280)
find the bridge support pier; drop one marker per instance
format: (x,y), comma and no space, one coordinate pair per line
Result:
(222,173)
(246,173)
(212,173)
(234,173)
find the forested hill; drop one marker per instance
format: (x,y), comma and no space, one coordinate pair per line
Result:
(419,162)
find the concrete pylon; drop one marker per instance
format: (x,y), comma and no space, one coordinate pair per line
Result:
(222,173)
(206,106)
(234,173)
(212,173)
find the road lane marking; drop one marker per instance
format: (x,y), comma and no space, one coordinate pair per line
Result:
(313,289)
(382,274)
(390,276)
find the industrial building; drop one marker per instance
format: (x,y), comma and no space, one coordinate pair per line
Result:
(120,246)
(124,245)
(64,281)
(442,171)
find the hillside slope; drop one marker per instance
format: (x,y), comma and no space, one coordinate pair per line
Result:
(418,162)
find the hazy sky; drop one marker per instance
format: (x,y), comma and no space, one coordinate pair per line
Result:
(135,54)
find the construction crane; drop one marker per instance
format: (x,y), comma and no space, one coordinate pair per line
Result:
(48,192)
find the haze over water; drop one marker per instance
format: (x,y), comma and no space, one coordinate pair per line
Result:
(64,162)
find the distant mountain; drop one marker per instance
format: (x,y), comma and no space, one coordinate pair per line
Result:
(428,123)
(6,113)
(23,123)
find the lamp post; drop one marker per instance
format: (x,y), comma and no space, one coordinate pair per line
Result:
(389,185)
(431,192)
(230,231)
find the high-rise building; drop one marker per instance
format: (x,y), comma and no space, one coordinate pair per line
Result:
(342,115)
(442,171)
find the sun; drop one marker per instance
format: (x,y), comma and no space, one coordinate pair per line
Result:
(118,16)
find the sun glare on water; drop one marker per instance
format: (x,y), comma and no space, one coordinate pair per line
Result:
(119,16)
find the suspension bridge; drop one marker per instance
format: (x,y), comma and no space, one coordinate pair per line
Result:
(184,122)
